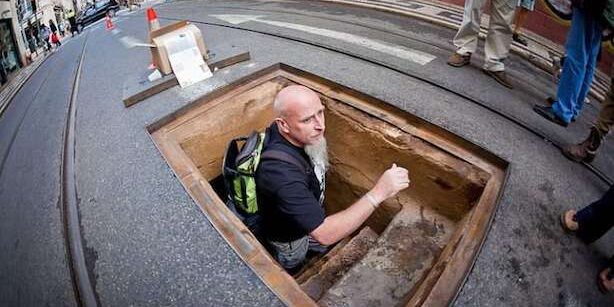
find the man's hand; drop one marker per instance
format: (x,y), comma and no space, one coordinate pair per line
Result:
(390,183)
(343,223)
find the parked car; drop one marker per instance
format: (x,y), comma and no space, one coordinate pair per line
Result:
(96,11)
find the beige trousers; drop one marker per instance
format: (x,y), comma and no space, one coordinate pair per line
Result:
(499,35)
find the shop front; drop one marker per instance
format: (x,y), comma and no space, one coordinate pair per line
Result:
(9,54)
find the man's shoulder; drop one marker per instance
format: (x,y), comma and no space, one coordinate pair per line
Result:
(277,168)
(274,154)
(280,166)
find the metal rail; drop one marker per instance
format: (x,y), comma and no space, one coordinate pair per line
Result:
(85,294)
(423,78)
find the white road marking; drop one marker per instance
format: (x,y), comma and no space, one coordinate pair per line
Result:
(237,19)
(416,56)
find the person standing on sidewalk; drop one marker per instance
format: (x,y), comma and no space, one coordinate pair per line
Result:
(524,7)
(55,39)
(589,224)
(61,28)
(45,34)
(498,39)
(587,149)
(73,22)
(52,26)
(582,47)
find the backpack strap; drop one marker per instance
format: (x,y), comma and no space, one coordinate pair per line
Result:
(274,154)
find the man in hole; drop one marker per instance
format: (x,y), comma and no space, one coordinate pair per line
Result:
(292,198)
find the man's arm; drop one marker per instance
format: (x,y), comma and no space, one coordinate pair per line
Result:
(343,223)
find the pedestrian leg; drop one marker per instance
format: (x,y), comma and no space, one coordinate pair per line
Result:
(499,35)
(606,115)
(596,219)
(466,39)
(592,45)
(519,19)
(574,68)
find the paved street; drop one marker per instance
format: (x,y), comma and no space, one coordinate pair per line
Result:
(146,243)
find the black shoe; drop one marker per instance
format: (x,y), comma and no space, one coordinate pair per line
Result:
(519,39)
(551,100)
(548,113)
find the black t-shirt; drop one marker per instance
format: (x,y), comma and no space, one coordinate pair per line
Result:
(287,195)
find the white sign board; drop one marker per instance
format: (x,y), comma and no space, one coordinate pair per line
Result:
(186,60)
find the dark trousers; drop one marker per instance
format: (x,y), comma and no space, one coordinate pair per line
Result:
(597,218)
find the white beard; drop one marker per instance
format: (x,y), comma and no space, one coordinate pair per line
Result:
(318,154)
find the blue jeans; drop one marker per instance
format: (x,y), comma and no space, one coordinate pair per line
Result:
(582,48)
(597,218)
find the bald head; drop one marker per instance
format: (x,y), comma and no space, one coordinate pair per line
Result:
(299,115)
(294,97)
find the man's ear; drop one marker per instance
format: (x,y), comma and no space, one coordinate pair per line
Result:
(282,125)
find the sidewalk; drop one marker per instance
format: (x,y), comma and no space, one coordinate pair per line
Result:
(539,51)
(8,91)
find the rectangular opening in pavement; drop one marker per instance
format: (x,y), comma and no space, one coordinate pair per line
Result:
(417,248)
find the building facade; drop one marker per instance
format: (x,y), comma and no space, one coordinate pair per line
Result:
(20,22)
(11,45)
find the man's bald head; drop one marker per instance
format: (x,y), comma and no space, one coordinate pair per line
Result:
(293,97)
(299,115)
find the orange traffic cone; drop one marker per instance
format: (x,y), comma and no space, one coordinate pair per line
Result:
(153,24)
(108,22)
(152,19)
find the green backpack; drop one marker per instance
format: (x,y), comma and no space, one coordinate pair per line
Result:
(241,160)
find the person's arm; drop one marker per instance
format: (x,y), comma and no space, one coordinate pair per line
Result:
(343,223)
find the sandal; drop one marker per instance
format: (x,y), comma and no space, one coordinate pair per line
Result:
(568,221)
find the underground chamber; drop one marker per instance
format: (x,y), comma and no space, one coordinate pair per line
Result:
(416,249)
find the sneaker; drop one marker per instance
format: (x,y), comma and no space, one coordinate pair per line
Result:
(458,60)
(500,77)
(516,37)
(548,113)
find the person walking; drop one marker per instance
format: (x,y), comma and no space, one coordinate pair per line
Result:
(582,48)
(589,224)
(55,39)
(498,39)
(72,20)
(522,12)
(61,28)
(45,36)
(52,26)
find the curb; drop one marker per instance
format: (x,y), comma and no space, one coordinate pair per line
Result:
(11,89)
(450,16)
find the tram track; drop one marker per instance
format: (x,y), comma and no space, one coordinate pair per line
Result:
(85,293)
(414,75)
(22,117)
